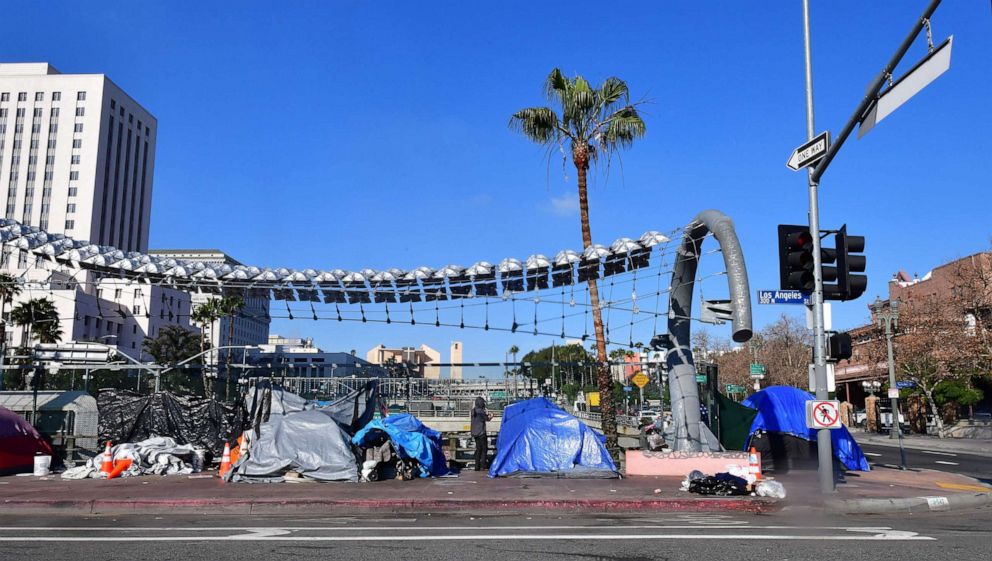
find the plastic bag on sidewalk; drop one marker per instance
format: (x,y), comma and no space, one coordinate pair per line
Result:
(722,484)
(693,476)
(772,489)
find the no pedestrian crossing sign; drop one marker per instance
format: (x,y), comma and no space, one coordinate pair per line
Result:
(823,414)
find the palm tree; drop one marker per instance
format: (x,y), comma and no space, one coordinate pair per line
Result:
(9,290)
(206,314)
(39,318)
(595,123)
(173,344)
(230,306)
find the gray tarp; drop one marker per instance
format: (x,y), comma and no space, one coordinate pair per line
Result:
(307,442)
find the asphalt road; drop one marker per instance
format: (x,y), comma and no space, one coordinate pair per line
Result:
(979,467)
(787,535)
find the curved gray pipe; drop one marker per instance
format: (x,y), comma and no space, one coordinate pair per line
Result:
(681,368)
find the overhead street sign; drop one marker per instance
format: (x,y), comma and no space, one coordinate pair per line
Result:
(758,370)
(784,297)
(640,379)
(700,378)
(731,388)
(823,414)
(809,153)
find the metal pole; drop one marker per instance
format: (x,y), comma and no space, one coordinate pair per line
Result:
(823,443)
(896,431)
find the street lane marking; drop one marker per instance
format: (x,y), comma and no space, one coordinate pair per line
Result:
(870,454)
(422,528)
(938,453)
(960,487)
(945,463)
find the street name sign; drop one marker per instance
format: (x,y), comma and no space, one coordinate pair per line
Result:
(905,384)
(784,297)
(731,388)
(758,371)
(809,153)
(700,378)
(823,414)
(640,379)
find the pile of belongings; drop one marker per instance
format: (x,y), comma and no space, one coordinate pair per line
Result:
(400,446)
(721,484)
(153,456)
(538,438)
(288,436)
(126,416)
(19,443)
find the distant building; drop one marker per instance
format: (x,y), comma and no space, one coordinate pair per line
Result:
(300,357)
(251,325)
(456,359)
(77,155)
(421,358)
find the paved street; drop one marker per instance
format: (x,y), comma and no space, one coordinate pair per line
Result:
(787,535)
(979,467)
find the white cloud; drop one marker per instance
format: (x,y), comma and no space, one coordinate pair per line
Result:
(565,205)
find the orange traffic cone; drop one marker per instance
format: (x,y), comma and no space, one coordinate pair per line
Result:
(107,464)
(225,461)
(754,463)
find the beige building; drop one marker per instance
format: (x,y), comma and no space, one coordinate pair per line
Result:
(421,358)
(456,359)
(77,155)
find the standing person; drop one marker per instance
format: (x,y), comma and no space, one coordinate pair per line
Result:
(479,418)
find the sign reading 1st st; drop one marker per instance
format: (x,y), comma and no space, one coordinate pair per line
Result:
(809,153)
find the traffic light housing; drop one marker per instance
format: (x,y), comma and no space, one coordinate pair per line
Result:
(795,257)
(839,346)
(851,284)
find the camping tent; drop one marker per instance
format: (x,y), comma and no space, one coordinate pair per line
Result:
(19,443)
(411,439)
(538,437)
(779,430)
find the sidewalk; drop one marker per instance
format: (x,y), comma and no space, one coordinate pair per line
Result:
(470,492)
(922,442)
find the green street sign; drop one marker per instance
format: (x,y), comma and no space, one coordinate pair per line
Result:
(701,378)
(758,369)
(497,394)
(732,388)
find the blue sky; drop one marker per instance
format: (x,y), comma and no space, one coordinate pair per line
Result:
(373,134)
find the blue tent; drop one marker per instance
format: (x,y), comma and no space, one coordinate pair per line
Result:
(411,439)
(538,437)
(782,409)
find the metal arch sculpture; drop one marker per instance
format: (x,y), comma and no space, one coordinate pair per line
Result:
(689,432)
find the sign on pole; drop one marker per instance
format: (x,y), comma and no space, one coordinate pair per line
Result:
(809,153)
(700,378)
(784,297)
(758,370)
(732,388)
(640,379)
(823,414)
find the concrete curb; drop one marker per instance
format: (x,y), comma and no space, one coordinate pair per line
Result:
(310,506)
(912,505)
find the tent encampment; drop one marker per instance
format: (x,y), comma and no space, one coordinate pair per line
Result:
(536,437)
(19,443)
(411,439)
(779,431)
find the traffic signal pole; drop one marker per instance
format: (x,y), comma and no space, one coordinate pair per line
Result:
(824,446)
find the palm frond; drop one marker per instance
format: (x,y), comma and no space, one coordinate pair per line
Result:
(613,91)
(556,86)
(622,129)
(539,124)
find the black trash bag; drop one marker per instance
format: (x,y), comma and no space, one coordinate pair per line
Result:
(130,417)
(721,484)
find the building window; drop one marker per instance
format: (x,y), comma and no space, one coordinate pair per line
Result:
(73,175)
(77,143)
(37,111)
(70,208)
(70,224)
(73,191)
(122,111)
(51,143)
(134,330)
(22,96)
(118,293)
(86,321)
(136,310)
(79,127)
(113,104)
(75,159)
(5,96)
(80,111)
(54,112)
(56,96)
(80,96)
(99,323)
(39,96)
(130,119)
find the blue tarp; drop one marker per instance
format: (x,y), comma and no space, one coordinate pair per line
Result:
(411,439)
(536,436)
(782,409)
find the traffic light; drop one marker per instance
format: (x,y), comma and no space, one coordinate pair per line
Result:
(839,346)
(851,286)
(795,257)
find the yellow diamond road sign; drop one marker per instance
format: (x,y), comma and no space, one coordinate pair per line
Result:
(640,380)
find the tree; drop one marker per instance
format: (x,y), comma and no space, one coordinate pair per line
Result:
(39,318)
(783,347)
(206,314)
(572,361)
(9,289)
(595,123)
(230,306)
(172,345)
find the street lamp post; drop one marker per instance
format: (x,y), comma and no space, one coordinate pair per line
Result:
(887,317)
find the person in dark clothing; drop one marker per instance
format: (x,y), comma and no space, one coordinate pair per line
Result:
(479,418)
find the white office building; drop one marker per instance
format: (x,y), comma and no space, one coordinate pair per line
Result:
(77,155)
(300,357)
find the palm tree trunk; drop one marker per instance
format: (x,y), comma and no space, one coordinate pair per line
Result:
(230,338)
(607,411)
(203,359)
